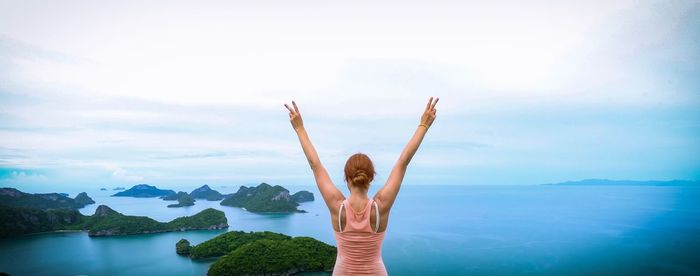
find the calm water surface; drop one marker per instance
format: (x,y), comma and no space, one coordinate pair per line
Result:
(432,230)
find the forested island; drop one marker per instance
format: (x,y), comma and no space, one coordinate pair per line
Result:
(24,213)
(302,196)
(207,193)
(105,222)
(261,253)
(183,199)
(266,198)
(144,190)
(14,197)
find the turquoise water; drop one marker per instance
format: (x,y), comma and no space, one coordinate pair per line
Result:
(432,230)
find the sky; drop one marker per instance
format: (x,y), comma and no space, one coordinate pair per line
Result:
(182,93)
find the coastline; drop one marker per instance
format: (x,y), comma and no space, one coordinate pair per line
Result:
(47,232)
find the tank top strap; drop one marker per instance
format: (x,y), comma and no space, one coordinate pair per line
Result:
(377,218)
(340,209)
(358,221)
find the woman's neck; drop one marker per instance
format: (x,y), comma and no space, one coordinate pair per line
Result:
(356,193)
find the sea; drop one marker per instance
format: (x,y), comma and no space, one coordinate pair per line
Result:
(432,230)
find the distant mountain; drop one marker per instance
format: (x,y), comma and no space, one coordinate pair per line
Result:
(183,199)
(14,197)
(83,199)
(118,189)
(105,221)
(144,190)
(608,182)
(302,196)
(207,193)
(261,253)
(263,198)
(103,189)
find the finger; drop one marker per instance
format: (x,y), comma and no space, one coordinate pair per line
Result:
(295,106)
(427,107)
(288,108)
(436,100)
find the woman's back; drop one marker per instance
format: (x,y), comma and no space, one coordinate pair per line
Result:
(359,244)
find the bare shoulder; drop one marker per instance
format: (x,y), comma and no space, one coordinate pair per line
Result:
(334,206)
(378,199)
(383,210)
(335,212)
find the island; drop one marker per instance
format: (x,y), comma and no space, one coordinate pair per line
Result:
(83,199)
(207,193)
(262,199)
(226,242)
(103,189)
(14,197)
(104,222)
(18,220)
(302,196)
(144,190)
(107,222)
(183,199)
(118,189)
(608,182)
(261,253)
(182,247)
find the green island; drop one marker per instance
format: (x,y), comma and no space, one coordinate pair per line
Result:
(14,197)
(144,190)
(261,253)
(302,196)
(16,220)
(183,199)
(207,193)
(83,199)
(265,198)
(105,222)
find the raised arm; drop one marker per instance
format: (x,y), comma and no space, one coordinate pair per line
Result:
(331,195)
(387,194)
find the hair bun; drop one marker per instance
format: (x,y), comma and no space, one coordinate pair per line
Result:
(360,178)
(359,171)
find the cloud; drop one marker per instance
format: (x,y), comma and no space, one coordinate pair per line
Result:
(120,174)
(192,156)
(528,95)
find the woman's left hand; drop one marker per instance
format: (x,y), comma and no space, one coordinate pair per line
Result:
(295,117)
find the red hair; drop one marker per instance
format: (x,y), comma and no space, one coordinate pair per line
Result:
(359,170)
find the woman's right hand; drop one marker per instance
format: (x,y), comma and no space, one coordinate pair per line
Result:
(429,112)
(295,117)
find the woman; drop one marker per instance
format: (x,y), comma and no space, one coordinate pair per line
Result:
(359,234)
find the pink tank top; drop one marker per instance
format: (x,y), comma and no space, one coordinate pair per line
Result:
(359,246)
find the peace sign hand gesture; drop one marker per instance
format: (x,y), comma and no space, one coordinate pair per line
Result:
(429,113)
(295,117)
